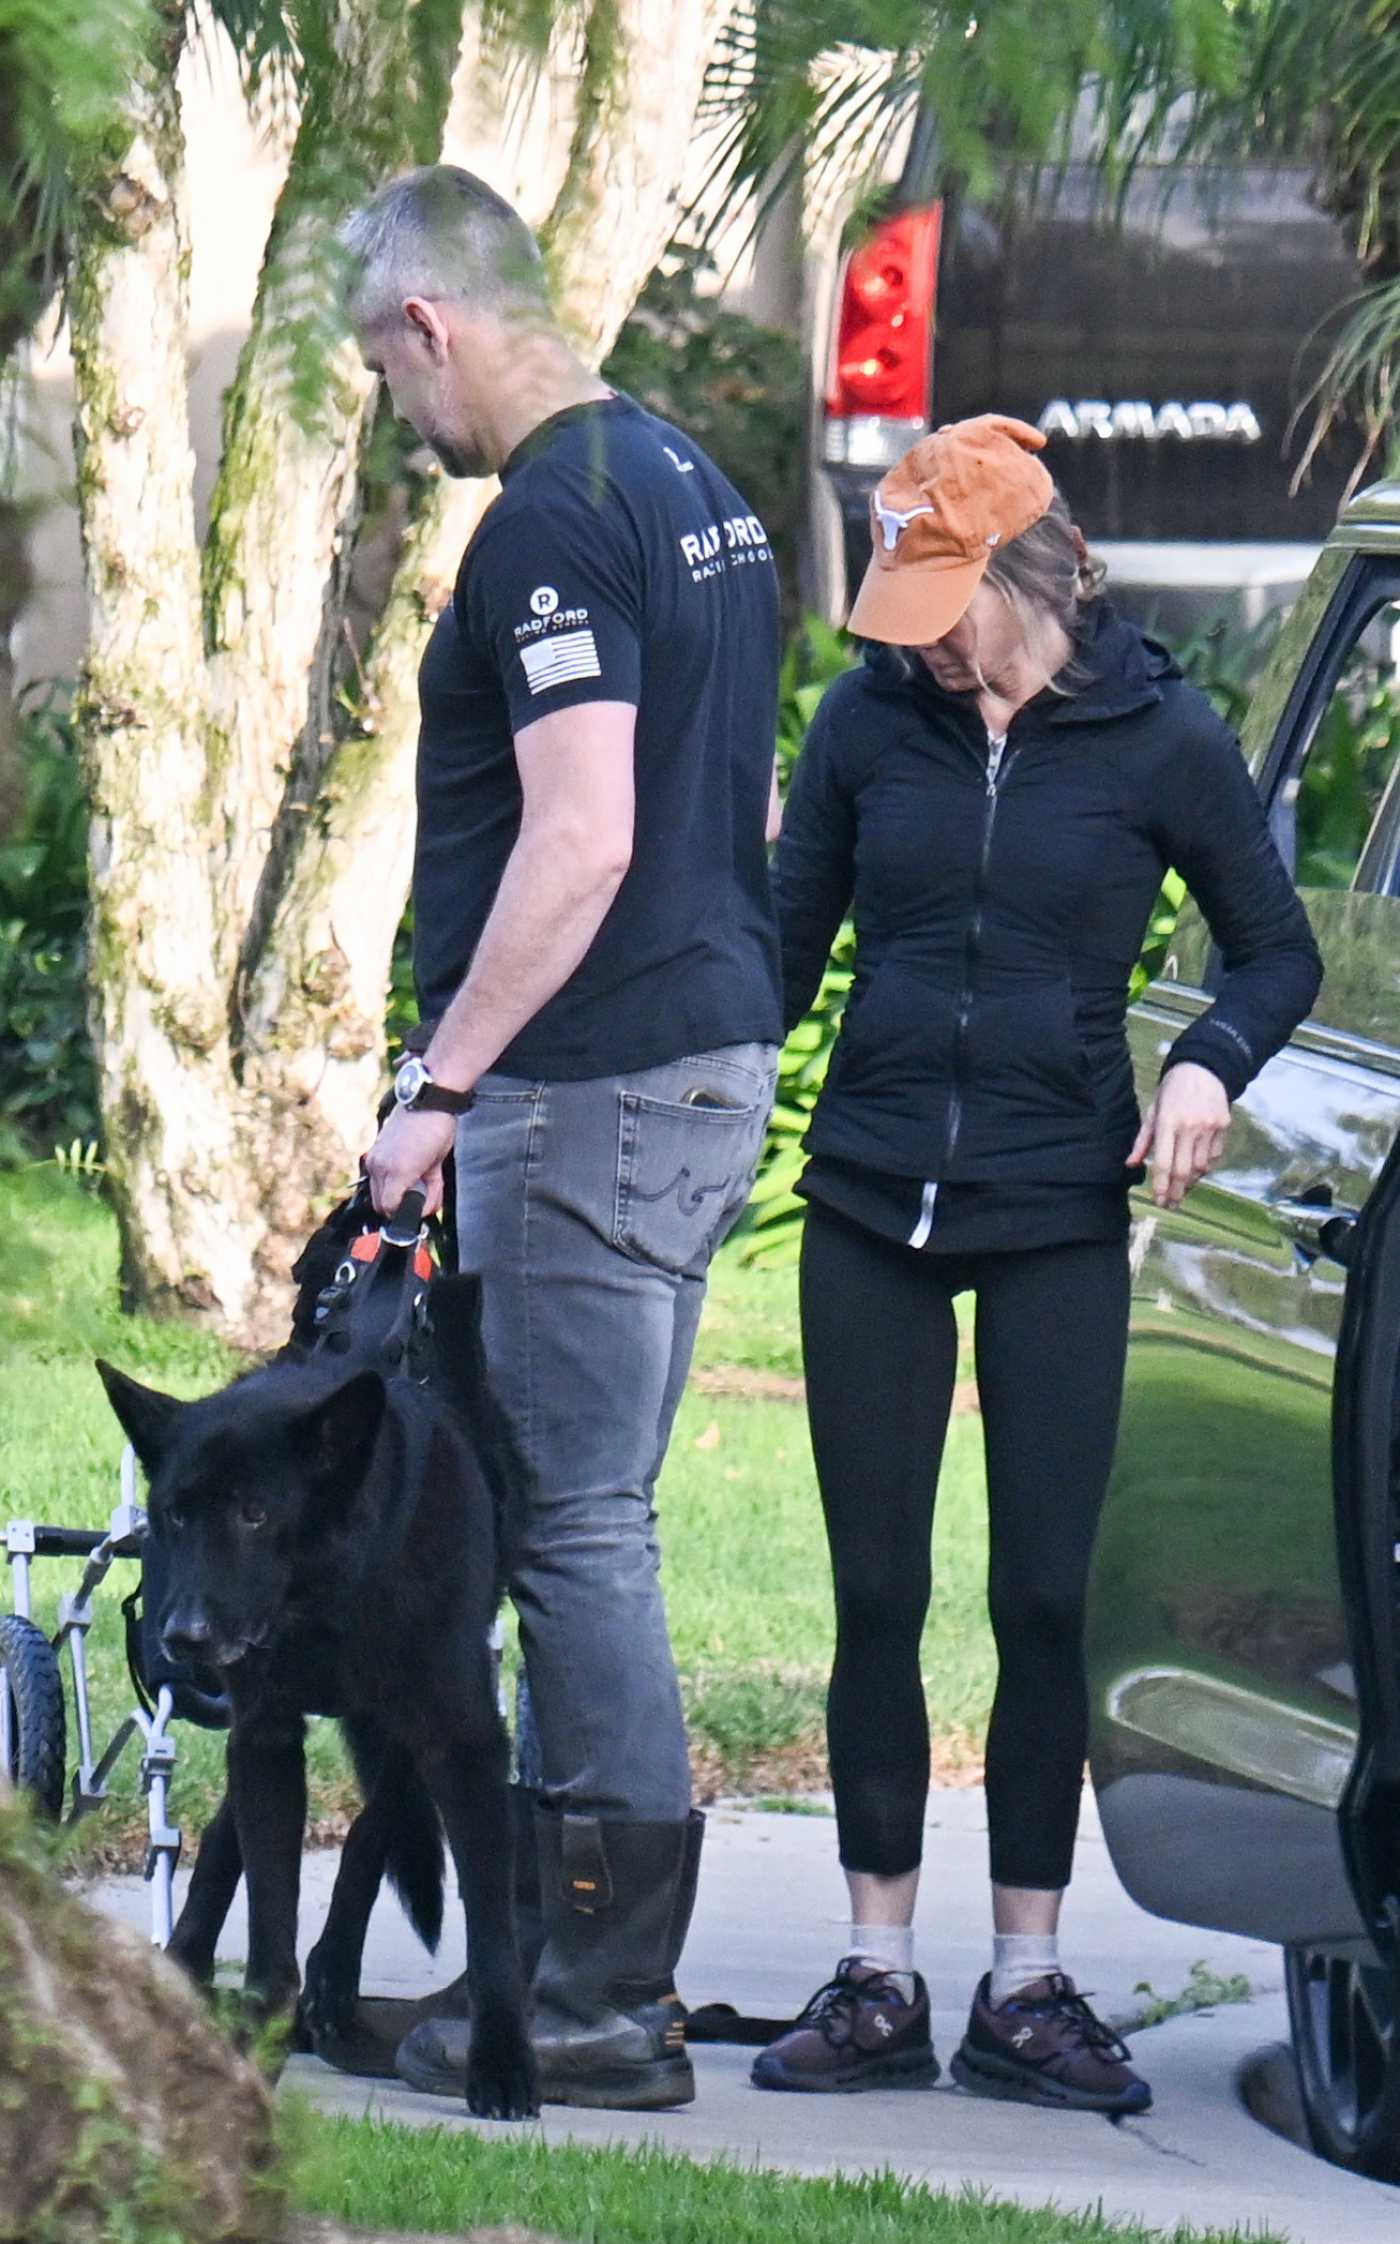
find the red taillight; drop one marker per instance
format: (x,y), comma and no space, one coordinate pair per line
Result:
(884,336)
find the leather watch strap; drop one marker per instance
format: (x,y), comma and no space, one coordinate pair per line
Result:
(434,1098)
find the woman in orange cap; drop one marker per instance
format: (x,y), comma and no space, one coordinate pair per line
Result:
(995,794)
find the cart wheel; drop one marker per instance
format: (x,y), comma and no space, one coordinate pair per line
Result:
(32,1724)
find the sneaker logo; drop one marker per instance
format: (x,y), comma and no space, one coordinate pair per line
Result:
(1019,2040)
(882,2025)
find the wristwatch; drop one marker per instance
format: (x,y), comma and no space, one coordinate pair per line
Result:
(415,1089)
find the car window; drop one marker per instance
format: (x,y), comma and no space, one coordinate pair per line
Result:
(1334,808)
(1335,811)
(1326,809)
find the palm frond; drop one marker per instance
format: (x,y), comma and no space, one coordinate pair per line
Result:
(65,66)
(1001,85)
(1359,381)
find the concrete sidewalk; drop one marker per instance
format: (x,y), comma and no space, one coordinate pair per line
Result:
(769,1925)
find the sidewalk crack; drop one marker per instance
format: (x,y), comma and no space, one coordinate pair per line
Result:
(1144,2135)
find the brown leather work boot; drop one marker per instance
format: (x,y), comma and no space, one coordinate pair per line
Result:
(609,2027)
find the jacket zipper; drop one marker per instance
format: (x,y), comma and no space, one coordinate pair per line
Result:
(923,1229)
(997,766)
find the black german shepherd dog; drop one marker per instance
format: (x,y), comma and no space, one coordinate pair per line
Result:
(330,1537)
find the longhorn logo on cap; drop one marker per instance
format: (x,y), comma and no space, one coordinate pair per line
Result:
(892,522)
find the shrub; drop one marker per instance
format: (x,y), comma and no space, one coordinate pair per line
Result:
(48,1086)
(738,388)
(816,656)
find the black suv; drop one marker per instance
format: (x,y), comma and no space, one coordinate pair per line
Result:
(1164,347)
(1244,1641)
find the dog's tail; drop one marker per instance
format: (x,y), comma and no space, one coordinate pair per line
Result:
(415,1864)
(413,1856)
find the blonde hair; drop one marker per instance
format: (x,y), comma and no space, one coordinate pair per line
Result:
(1041,574)
(1043,578)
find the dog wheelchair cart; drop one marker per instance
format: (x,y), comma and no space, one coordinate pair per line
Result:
(33,1713)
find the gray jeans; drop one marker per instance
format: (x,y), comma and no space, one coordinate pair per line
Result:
(590,1212)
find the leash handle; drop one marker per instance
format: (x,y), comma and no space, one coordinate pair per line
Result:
(402,1227)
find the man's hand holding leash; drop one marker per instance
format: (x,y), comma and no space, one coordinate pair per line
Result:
(410,1147)
(417,1126)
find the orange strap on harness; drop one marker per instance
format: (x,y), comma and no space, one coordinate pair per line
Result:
(366,1248)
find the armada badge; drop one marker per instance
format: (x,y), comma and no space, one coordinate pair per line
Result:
(1137,419)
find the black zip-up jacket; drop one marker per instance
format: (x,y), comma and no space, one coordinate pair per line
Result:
(1000,905)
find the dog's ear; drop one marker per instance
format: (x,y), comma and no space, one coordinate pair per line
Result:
(338,1434)
(147,1417)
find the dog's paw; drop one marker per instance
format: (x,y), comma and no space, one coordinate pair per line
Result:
(329,1996)
(502,2079)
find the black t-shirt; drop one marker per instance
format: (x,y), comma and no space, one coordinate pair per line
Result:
(616,565)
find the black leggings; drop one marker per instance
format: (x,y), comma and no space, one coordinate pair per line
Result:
(880,1343)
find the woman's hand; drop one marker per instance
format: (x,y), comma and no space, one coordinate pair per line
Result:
(1183,1130)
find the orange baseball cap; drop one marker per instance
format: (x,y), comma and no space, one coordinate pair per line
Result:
(937,518)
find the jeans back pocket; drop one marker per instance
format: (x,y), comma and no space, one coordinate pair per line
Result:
(684,1172)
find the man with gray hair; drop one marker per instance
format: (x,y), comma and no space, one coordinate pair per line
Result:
(594,938)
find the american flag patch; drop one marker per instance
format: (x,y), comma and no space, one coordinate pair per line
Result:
(557,662)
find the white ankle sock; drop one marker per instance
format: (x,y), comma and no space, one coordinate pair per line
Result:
(1020,1957)
(889,1946)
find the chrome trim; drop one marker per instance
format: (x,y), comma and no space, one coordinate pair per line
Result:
(1379,502)
(1302,1755)
(1208,564)
(1173,1003)
(868,440)
(1377,536)
(1109,420)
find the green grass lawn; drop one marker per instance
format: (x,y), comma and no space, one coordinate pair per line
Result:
(376,2175)
(746,1567)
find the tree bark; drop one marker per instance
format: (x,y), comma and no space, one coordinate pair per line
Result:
(252,774)
(200,749)
(617,209)
(25,285)
(161,940)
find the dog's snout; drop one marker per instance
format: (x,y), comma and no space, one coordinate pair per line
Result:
(186,1635)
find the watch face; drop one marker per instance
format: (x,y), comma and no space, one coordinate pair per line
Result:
(409,1081)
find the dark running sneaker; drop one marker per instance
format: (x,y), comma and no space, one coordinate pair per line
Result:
(858,2031)
(1045,2046)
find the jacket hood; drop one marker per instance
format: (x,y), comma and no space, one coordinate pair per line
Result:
(1118,670)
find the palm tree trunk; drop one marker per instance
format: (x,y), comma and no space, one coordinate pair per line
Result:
(162,942)
(254,815)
